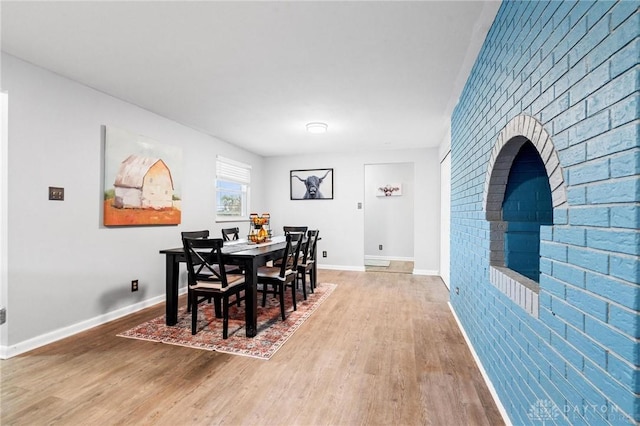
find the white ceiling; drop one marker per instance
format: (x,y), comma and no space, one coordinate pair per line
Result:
(382,74)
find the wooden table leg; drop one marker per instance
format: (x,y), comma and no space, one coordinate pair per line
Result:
(172,269)
(251,297)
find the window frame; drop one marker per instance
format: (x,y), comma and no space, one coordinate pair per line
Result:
(236,172)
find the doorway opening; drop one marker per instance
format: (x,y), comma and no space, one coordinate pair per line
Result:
(389,217)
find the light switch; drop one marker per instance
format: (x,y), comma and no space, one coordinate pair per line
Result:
(56,193)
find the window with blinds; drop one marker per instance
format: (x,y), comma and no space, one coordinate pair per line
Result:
(233,180)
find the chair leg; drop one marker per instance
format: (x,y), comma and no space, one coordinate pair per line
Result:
(194,312)
(225,316)
(303,275)
(264,295)
(282,301)
(188,299)
(293,295)
(216,303)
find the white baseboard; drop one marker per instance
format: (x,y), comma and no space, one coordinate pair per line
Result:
(485,376)
(53,336)
(430,272)
(342,267)
(401,259)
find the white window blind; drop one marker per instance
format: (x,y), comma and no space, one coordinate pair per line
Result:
(232,170)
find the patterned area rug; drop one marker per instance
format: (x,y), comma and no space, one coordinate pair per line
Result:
(272,331)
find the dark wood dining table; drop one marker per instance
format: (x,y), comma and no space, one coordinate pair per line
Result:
(249,256)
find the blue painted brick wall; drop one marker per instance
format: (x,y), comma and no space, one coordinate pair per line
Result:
(573,66)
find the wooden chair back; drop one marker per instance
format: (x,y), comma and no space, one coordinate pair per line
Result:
(229,234)
(288,229)
(291,253)
(204,258)
(312,244)
(195,234)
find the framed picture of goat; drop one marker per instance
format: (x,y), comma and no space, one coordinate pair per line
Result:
(311,184)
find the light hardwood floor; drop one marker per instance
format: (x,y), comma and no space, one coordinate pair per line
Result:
(383,349)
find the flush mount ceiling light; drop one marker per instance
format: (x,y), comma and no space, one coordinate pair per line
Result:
(317,127)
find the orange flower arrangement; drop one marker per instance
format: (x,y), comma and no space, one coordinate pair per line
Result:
(259,220)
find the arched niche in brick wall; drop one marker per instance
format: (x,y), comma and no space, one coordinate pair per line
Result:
(510,140)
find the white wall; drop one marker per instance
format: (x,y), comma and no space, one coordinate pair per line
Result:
(66,271)
(340,221)
(444,153)
(445,218)
(3,211)
(389,220)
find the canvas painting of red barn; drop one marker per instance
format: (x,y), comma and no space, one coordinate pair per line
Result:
(141,180)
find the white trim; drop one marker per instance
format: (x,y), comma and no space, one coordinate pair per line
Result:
(62,333)
(400,258)
(429,272)
(342,267)
(485,376)
(444,155)
(222,219)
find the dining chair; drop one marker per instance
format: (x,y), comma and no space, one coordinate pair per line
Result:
(232,234)
(206,255)
(229,234)
(199,270)
(282,276)
(306,265)
(289,229)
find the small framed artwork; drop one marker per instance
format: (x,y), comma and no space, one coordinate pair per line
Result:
(389,190)
(311,184)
